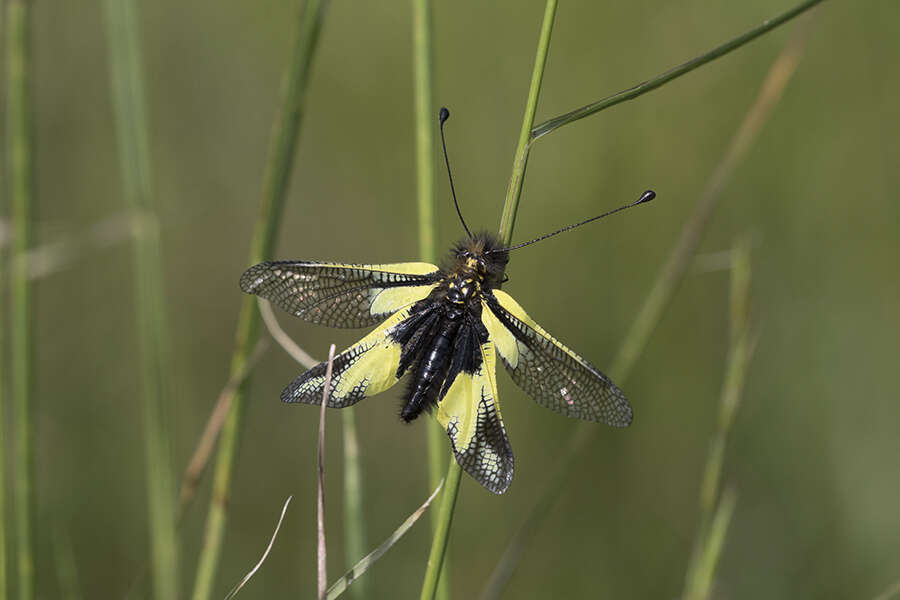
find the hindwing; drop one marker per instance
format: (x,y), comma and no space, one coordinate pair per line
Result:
(545,369)
(340,295)
(366,368)
(471,416)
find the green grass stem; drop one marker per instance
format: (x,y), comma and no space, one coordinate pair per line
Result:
(275,182)
(321,546)
(365,563)
(715,511)
(425,123)
(127,87)
(667,281)
(354,516)
(451,489)
(4,583)
(674,73)
(703,574)
(66,566)
(19,187)
(514,191)
(439,543)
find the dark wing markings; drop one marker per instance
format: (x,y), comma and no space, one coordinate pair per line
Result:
(366,368)
(470,414)
(545,369)
(340,295)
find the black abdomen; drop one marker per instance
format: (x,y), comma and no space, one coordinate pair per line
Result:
(430,372)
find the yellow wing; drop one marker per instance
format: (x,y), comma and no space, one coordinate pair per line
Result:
(340,295)
(553,375)
(364,369)
(471,415)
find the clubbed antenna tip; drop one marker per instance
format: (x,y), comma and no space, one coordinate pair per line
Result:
(646,197)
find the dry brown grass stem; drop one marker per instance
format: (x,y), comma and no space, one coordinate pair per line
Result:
(282,338)
(200,458)
(262,559)
(321,554)
(890,593)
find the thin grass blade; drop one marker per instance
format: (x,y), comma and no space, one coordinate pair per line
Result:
(507,222)
(126,85)
(890,593)
(354,521)
(4,377)
(674,73)
(19,152)
(354,518)
(341,585)
(514,191)
(285,131)
(66,567)
(262,559)
(423,100)
(703,577)
(203,451)
(701,565)
(50,258)
(321,548)
(667,281)
(282,338)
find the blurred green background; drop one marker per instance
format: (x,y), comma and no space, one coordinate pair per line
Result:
(814,451)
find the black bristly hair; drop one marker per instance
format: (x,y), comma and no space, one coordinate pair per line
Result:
(484,246)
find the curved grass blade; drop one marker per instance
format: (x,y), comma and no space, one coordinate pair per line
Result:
(285,131)
(262,559)
(670,276)
(282,338)
(674,73)
(203,451)
(341,585)
(890,593)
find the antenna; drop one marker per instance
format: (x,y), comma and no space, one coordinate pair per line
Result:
(442,117)
(645,197)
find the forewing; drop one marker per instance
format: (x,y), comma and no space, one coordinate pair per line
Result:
(471,415)
(340,295)
(553,375)
(364,369)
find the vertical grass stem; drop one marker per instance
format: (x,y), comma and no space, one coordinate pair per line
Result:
(514,191)
(275,182)
(321,549)
(667,281)
(127,87)
(19,188)
(451,489)
(354,517)
(710,532)
(425,123)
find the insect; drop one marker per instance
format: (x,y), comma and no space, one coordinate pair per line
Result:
(444,328)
